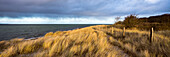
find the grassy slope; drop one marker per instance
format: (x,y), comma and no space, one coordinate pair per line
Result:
(91,41)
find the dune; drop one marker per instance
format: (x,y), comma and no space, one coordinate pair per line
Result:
(93,41)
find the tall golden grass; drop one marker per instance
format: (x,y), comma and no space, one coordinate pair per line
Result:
(93,41)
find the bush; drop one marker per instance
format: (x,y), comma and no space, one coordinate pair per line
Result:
(130,21)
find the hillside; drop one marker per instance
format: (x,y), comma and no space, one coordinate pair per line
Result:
(159,22)
(93,41)
(165,18)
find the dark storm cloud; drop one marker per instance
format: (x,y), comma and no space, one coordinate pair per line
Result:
(17,8)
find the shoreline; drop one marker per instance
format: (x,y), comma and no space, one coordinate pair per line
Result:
(35,32)
(34,38)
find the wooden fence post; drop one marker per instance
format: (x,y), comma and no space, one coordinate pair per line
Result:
(151,35)
(106,27)
(112,30)
(123,31)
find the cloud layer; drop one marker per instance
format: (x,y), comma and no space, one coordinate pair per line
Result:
(79,8)
(40,20)
(85,7)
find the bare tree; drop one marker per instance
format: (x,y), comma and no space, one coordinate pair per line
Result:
(117,18)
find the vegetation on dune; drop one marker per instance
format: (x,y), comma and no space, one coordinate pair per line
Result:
(160,22)
(94,41)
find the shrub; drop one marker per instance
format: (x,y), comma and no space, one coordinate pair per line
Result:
(130,21)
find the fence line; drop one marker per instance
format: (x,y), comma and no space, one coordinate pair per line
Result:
(150,38)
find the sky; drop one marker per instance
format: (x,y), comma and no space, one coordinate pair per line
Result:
(77,11)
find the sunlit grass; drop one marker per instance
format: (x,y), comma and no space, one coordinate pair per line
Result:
(94,41)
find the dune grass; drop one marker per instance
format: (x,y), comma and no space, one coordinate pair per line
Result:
(93,41)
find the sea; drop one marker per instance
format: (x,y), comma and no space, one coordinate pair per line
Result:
(10,31)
